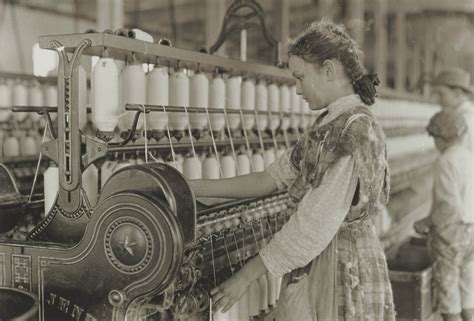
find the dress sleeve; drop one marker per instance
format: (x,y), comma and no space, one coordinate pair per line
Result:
(283,171)
(318,218)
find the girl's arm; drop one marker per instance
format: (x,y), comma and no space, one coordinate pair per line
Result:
(246,186)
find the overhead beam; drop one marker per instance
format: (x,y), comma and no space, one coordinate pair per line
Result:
(420,6)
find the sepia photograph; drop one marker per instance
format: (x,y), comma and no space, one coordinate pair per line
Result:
(236,160)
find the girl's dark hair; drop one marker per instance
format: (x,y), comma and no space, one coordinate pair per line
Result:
(324,40)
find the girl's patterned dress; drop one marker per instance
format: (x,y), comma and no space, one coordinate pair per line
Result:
(347,279)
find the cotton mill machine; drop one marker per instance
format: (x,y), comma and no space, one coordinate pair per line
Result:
(122,236)
(137,244)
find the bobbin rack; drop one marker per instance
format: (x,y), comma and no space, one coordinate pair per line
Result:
(146,247)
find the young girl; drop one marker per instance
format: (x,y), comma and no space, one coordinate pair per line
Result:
(450,224)
(337,174)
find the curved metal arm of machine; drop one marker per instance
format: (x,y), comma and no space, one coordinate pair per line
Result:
(132,249)
(236,22)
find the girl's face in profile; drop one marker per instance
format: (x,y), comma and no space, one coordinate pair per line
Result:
(311,82)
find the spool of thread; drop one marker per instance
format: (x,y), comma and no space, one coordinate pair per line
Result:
(51,99)
(217,100)
(274,106)
(106,170)
(261,103)
(105,95)
(142,35)
(254,299)
(82,97)
(210,167)
(90,183)
(157,94)
(198,97)
(20,98)
(270,156)
(51,186)
(11,146)
(228,166)
(6,100)
(272,286)
(295,108)
(179,97)
(285,105)
(36,99)
(248,102)
(233,95)
(192,168)
(244,164)
(258,162)
(243,304)
(279,280)
(29,145)
(133,92)
(263,292)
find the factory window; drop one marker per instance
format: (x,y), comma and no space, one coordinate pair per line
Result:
(44,61)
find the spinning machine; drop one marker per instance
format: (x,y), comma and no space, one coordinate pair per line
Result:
(122,236)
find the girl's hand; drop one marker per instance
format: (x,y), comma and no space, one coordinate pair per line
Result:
(423,226)
(229,292)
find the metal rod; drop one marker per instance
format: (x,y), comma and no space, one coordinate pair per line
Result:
(39,109)
(200,110)
(198,144)
(119,47)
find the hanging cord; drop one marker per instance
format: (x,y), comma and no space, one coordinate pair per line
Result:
(189,132)
(16,30)
(247,143)
(213,273)
(228,256)
(213,141)
(272,130)
(213,261)
(144,133)
(260,139)
(239,255)
(153,157)
(173,155)
(285,133)
(38,164)
(231,140)
(255,237)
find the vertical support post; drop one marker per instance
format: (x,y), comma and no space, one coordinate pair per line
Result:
(381,39)
(118,14)
(282,23)
(400,51)
(415,66)
(428,56)
(215,13)
(355,21)
(110,14)
(326,9)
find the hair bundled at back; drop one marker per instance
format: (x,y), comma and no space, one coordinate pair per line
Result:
(325,40)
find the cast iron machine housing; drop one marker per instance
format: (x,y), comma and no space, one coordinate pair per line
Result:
(144,245)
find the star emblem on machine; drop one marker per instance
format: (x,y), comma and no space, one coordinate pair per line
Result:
(127,245)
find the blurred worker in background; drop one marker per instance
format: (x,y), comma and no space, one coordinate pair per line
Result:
(450,224)
(337,175)
(452,89)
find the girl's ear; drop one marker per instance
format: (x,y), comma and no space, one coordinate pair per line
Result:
(329,69)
